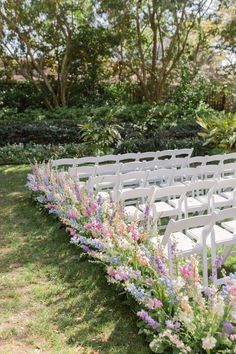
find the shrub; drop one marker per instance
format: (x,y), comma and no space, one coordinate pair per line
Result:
(24,154)
(219,130)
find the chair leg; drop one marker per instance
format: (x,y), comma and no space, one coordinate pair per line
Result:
(226,252)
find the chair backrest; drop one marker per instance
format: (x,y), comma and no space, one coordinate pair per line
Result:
(169,192)
(108,159)
(63,162)
(183,152)
(134,156)
(108,169)
(229,213)
(209,171)
(133,178)
(103,182)
(214,159)
(160,176)
(186,174)
(179,162)
(228,158)
(132,166)
(197,161)
(195,188)
(135,196)
(228,170)
(165,154)
(82,172)
(150,155)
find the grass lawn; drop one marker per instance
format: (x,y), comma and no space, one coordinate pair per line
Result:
(51,301)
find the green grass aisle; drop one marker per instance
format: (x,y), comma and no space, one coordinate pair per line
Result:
(50,300)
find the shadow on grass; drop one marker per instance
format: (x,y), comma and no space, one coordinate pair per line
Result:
(86,309)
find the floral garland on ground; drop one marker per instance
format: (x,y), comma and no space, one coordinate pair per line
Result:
(175,314)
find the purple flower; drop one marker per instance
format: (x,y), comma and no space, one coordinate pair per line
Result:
(228,327)
(148,320)
(160,265)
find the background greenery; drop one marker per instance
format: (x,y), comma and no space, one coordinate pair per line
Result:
(149,77)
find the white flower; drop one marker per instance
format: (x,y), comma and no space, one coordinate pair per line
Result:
(218,308)
(208,343)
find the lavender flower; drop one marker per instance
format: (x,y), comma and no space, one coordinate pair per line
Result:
(228,327)
(160,265)
(149,320)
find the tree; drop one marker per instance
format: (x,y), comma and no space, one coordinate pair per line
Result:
(154,38)
(49,41)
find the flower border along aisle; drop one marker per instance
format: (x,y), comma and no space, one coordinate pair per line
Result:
(175,314)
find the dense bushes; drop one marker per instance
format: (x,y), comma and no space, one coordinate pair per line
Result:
(139,127)
(23,154)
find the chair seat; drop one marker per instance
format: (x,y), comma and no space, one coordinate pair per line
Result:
(192,203)
(219,200)
(184,245)
(132,212)
(222,236)
(162,209)
(227,194)
(229,225)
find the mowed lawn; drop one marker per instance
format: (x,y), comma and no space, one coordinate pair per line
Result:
(51,301)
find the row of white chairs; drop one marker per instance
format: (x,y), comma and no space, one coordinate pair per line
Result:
(147,156)
(178,201)
(199,235)
(84,172)
(97,160)
(191,235)
(160,177)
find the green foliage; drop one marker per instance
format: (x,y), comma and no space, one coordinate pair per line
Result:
(26,153)
(219,130)
(100,136)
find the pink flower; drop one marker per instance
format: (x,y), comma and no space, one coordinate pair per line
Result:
(154,304)
(186,271)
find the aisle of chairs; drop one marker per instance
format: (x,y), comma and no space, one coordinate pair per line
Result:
(196,194)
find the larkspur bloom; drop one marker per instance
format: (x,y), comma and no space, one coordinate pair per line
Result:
(149,320)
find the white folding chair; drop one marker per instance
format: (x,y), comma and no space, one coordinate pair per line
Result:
(82,172)
(160,177)
(108,169)
(63,162)
(223,194)
(177,233)
(196,161)
(197,198)
(133,179)
(132,166)
(178,162)
(219,237)
(104,184)
(132,198)
(161,203)
(185,175)
(227,188)
(209,172)
(228,170)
